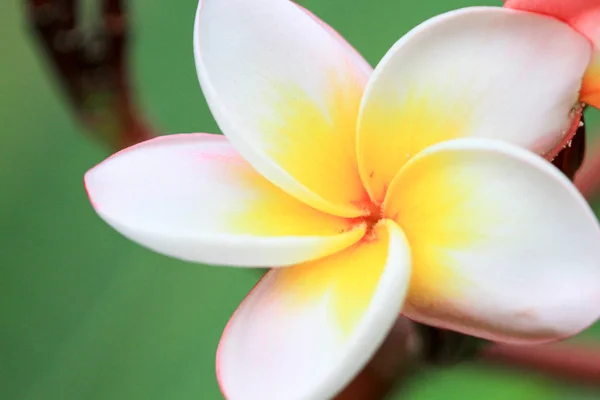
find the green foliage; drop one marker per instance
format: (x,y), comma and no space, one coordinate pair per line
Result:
(472,382)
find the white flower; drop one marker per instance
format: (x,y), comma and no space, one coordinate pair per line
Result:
(406,189)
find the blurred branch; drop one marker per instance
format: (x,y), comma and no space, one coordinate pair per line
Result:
(575,363)
(408,349)
(411,348)
(91,70)
(390,368)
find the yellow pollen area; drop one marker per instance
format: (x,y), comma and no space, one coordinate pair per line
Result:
(394,130)
(370,220)
(314,140)
(278,212)
(344,282)
(435,202)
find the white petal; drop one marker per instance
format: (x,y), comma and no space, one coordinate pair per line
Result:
(193,197)
(584,17)
(305,331)
(503,245)
(481,71)
(286,92)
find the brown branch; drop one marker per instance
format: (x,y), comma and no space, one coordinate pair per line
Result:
(390,368)
(411,347)
(91,70)
(575,363)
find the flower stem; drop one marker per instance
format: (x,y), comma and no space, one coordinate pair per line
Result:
(570,362)
(411,348)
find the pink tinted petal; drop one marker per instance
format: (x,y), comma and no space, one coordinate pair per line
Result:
(192,196)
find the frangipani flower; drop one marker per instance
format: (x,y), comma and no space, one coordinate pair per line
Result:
(369,193)
(583,16)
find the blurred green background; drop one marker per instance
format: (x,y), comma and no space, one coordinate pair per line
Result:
(86,314)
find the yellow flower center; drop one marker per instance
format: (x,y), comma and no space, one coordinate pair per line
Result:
(371,219)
